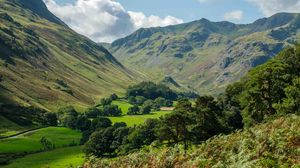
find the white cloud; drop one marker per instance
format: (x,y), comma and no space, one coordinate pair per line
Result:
(208,1)
(270,7)
(234,15)
(140,20)
(105,20)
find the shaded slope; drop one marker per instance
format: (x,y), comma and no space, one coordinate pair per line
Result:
(207,55)
(46,64)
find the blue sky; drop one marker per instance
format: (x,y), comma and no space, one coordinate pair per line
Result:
(189,10)
(108,20)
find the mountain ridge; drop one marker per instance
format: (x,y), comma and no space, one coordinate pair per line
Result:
(206,55)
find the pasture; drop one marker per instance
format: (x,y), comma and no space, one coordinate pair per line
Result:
(30,142)
(138,119)
(58,158)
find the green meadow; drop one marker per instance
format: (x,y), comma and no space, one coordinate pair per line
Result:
(138,119)
(123,105)
(58,158)
(30,142)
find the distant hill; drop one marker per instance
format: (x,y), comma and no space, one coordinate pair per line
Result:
(207,55)
(43,63)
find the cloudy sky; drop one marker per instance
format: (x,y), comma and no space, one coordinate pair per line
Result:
(108,20)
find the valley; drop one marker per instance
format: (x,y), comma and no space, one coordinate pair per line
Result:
(196,94)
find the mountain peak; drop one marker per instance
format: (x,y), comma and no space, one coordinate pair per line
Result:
(275,20)
(38,7)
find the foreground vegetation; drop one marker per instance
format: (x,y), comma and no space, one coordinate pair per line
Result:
(273,144)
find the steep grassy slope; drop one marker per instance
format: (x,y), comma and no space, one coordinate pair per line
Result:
(273,144)
(46,64)
(8,127)
(206,55)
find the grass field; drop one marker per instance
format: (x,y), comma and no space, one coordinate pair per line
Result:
(124,105)
(58,158)
(138,119)
(8,127)
(30,142)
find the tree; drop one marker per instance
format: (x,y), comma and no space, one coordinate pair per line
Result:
(68,117)
(231,106)
(112,110)
(50,119)
(131,100)
(145,109)
(290,104)
(119,124)
(177,124)
(264,87)
(169,103)
(99,143)
(150,90)
(208,102)
(139,100)
(69,121)
(100,123)
(134,110)
(106,101)
(47,145)
(160,102)
(113,97)
(151,103)
(92,112)
(206,116)
(83,123)
(184,105)
(69,110)
(142,135)
(120,135)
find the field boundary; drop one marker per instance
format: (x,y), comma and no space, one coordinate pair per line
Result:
(20,133)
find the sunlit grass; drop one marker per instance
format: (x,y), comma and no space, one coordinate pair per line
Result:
(58,158)
(138,119)
(59,136)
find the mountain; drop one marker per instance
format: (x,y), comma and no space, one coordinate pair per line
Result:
(43,63)
(206,55)
(174,85)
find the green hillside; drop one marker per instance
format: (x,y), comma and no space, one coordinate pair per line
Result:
(43,63)
(206,55)
(273,144)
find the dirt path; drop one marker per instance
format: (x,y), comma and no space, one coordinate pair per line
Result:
(22,133)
